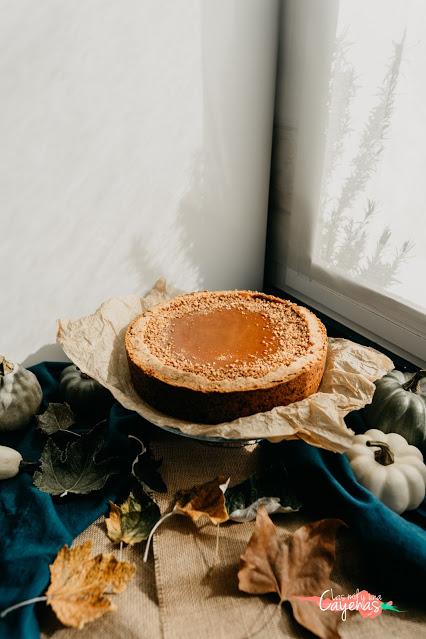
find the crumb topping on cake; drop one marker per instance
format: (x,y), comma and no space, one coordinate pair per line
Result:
(278,334)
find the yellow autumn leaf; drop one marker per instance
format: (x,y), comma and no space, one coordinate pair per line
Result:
(132,522)
(79,584)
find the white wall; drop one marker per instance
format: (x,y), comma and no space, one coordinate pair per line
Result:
(134,143)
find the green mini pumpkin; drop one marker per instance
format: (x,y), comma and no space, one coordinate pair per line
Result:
(85,396)
(399,406)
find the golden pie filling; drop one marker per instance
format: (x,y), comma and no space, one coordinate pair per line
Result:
(216,356)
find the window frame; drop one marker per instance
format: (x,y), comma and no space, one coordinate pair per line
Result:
(337,328)
(361,320)
(297,163)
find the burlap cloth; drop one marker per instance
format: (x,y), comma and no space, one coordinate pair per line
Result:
(180,594)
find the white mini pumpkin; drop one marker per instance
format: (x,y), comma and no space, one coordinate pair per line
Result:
(390,467)
(20,395)
(10,462)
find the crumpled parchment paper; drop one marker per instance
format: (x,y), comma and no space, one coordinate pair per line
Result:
(96,345)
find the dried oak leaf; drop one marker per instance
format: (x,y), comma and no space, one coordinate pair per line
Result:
(79,583)
(133,520)
(204,500)
(55,418)
(299,566)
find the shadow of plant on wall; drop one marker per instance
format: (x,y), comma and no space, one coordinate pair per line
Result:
(343,238)
(169,250)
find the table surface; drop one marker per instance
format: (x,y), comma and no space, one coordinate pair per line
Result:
(181,594)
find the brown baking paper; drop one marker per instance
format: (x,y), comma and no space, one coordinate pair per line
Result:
(96,345)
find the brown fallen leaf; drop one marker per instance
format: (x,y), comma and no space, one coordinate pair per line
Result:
(204,499)
(301,565)
(79,584)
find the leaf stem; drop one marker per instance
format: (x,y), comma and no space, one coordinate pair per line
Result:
(216,552)
(138,440)
(28,466)
(143,450)
(101,421)
(27,602)
(71,432)
(151,534)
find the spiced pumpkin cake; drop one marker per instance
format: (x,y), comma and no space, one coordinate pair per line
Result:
(214,356)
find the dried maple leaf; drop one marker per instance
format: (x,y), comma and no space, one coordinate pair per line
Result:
(75,469)
(133,520)
(79,582)
(145,469)
(56,417)
(298,566)
(204,499)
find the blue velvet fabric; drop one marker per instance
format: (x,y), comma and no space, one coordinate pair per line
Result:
(393,546)
(34,526)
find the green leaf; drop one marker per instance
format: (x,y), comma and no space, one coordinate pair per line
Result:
(132,522)
(145,469)
(270,487)
(55,418)
(76,469)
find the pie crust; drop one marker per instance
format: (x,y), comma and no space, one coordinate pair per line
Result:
(215,356)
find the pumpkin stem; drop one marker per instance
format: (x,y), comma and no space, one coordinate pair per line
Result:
(83,375)
(5,366)
(413,383)
(384,455)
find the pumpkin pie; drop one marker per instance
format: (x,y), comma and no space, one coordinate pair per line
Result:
(215,356)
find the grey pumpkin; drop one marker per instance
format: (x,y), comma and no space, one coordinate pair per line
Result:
(20,395)
(399,406)
(85,396)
